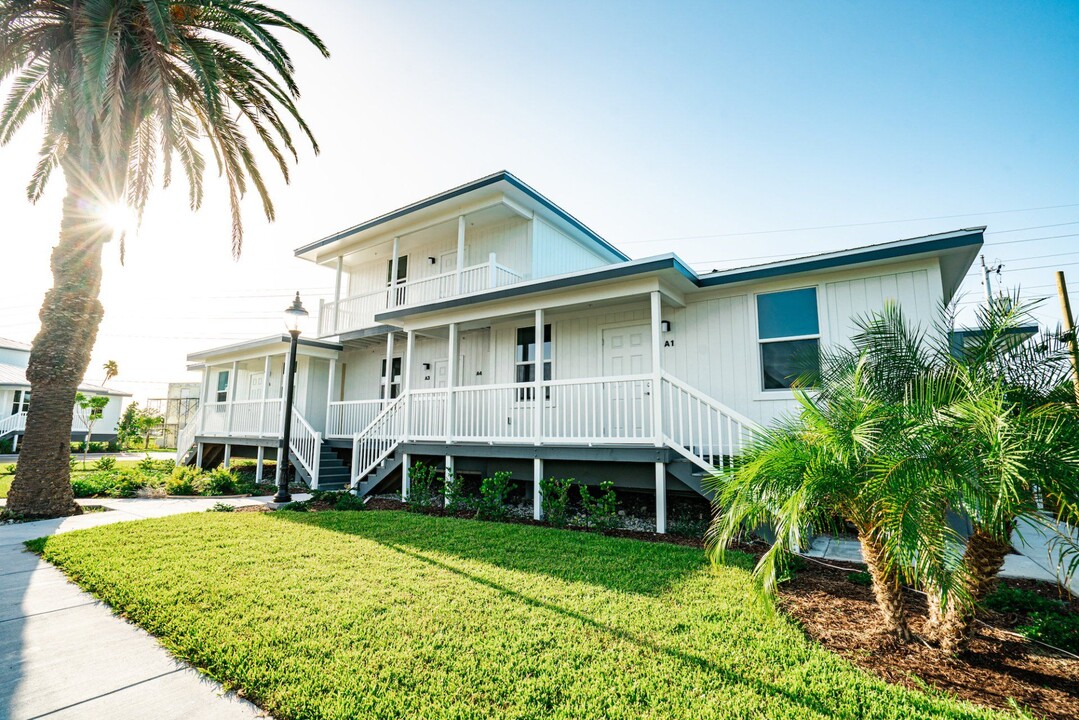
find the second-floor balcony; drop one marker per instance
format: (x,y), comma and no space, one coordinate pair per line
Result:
(358,311)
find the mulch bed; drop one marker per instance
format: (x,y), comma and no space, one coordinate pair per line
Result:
(842,616)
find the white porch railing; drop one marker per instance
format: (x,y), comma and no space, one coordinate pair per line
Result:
(13,423)
(345,419)
(358,311)
(372,445)
(246,418)
(306,444)
(700,428)
(589,411)
(186,439)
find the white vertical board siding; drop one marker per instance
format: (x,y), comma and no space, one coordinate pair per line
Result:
(507,240)
(363,368)
(850,299)
(314,401)
(555,253)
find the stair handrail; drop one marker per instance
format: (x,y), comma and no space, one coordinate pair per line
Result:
(306,444)
(186,439)
(735,421)
(13,423)
(381,437)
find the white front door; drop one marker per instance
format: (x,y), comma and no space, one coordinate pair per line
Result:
(626,351)
(439,367)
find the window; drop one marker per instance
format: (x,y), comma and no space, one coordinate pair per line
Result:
(789,334)
(22,402)
(395,381)
(525,359)
(402,278)
(223,386)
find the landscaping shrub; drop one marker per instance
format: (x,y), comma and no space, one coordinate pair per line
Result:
(600,510)
(336,499)
(105,463)
(687,526)
(6,446)
(1053,628)
(87,485)
(421,486)
(456,500)
(493,494)
(147,464)
(127,482)
(220,481)
(184,480)
(122,482)
(555,500)
(8,469)
(1018,600)
(222,507)
(860,578)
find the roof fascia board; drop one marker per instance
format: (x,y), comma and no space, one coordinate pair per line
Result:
(258,347)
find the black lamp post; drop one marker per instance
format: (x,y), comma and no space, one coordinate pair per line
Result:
(294,318)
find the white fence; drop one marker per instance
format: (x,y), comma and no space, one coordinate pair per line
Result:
(345,419)
(700,428)
(244,418)
(306,444)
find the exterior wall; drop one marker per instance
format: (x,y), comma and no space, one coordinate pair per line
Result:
(105,426)
(555,253)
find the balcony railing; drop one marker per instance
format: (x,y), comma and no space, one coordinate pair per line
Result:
(358,311)
(247,418)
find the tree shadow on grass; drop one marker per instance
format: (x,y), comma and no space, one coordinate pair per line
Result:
(485,545)
(618,564)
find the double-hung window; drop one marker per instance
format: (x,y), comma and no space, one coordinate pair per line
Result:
(22,402)
(525,359)
(223,386)
(788,331)
(393,382)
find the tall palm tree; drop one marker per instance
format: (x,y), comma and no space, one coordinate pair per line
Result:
(124,86)
(111,370)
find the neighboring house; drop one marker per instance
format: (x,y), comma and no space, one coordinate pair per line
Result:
(179,405)
(646,372)
(15,399)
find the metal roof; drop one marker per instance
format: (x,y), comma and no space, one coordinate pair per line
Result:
(15,375)
(13,345)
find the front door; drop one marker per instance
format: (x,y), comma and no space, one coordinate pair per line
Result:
(439,367)
(626,351)
(447,272)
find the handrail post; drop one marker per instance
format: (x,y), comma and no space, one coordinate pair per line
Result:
(231,398)
(460,250)
(492,273)
(657,371)
(391,302)
(336,295)
(451,378)
(537,390)
(406,382)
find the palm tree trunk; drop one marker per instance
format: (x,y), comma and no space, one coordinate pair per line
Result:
(70,317)
(936,611)
(983,559)
(886,588)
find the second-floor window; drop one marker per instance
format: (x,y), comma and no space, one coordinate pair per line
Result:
(788,331)
(223,386)
(525,359)
(402,278)
(22,402)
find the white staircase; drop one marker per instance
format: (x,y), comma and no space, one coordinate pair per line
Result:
(376,442)
(185,441)
(701,429)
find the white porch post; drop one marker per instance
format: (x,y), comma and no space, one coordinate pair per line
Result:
(492,271)
(337,293)
(14,442)
(450,469)
(389,368)
(460,251)
(406,381)
(391,301)
(228,456)
(265,389)
(537,419)
(231,397)
(329,395)
(204,398)
(198,455)
(657,371)
(451,381)
(280,466)
(259,463)
(537,493)
(661,498)
(405,484)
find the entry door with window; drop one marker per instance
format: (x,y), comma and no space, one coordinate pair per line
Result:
(393,382)
(400,293)
(626,351)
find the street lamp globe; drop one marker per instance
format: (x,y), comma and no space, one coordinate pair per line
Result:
(296,316)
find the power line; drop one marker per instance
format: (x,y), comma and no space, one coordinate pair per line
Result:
(848,225)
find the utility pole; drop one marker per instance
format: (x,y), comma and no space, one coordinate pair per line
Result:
(1069,328)
(985,278)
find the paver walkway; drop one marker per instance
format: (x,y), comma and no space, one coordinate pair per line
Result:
(64,655)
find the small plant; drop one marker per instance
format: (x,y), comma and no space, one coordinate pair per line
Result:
(860,578)
(336,499)
(493,494)
(147,464)
(789,566)
(687,526)
(105,463)
(9,469)
(222,507)
(555,500)
(421,483)
(1058,629)
(1017,600)
(220,481)
(600,510)
(297,506)
(455,493)
(184,480)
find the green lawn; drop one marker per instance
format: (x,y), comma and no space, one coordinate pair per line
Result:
(5,483)
(392,615)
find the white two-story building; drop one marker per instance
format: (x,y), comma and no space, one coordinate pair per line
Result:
(486,328)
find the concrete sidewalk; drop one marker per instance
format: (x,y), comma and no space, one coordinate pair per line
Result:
(1036,559)
(63,654)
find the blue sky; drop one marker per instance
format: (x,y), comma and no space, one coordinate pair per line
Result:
(666,127)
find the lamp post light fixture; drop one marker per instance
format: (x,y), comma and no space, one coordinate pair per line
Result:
(295,315)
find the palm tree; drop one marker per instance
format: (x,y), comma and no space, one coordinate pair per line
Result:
(797,477)
(123,86)
(111,370)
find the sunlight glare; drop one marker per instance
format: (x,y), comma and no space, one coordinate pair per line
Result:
(120,218)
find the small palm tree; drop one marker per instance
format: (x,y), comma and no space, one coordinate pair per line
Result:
(125,86)
(111,370)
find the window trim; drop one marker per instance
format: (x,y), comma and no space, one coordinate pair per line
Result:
(226,389)
(524,393)
(762,392)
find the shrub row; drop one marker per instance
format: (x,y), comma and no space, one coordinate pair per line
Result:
(156,477)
